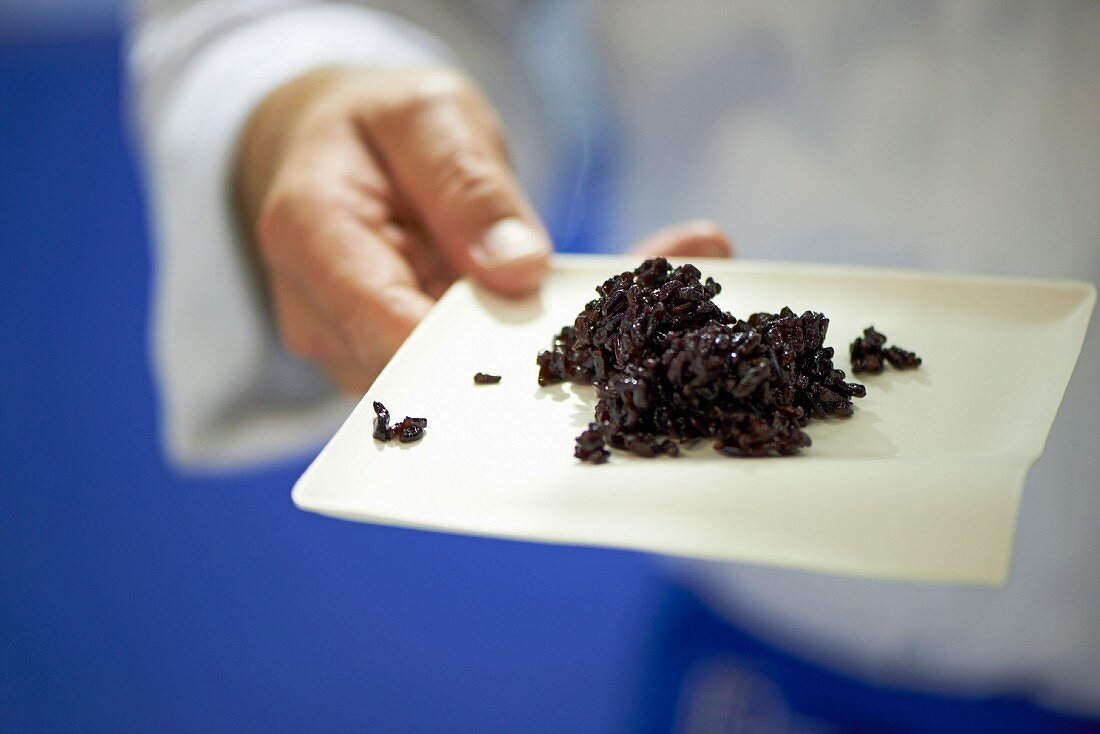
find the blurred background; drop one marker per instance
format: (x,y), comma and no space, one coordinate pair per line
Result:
(136,599)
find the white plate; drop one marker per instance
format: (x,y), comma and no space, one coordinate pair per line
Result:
(923,482)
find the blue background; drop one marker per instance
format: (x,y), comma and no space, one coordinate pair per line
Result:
(134,599)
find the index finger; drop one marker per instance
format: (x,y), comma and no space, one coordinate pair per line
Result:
(316,230)
(439,139)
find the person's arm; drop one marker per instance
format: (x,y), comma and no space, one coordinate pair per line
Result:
(369,191)
(230,394)
(358,189)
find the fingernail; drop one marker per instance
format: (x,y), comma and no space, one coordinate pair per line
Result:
(513,239)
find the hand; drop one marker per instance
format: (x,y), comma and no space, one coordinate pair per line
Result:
(370,191)
(695,238)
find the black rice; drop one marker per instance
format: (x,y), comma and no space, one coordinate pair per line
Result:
(669,365)
(382,430)
(406,431)
(869,353)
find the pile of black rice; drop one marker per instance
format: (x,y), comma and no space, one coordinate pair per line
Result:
(671,367)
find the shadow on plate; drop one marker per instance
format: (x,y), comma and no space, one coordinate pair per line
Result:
(509,310)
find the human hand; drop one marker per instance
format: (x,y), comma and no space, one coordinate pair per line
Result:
(694,238)
(368,193)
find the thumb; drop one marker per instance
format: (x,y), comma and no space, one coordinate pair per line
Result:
(447,160)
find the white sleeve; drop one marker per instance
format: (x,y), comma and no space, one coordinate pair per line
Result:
(230,395)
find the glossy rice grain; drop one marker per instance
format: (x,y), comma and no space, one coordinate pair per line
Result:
(406,431)
(670,366)
(382,430)
(869,353)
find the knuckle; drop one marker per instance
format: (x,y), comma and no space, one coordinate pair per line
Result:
(433,86)
(412,93)
(470,179)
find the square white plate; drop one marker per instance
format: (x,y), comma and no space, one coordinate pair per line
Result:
(923,482)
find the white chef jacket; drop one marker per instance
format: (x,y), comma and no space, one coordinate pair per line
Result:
(959,136)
